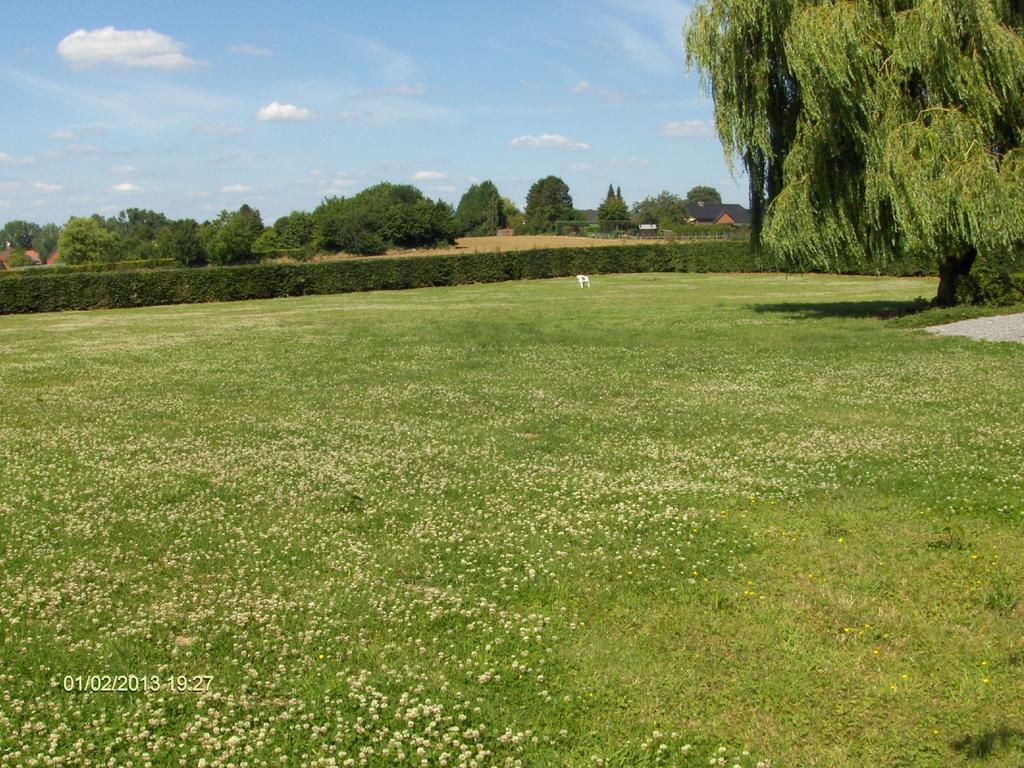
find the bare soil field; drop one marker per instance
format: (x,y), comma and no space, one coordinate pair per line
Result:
(524,243)
(492,244)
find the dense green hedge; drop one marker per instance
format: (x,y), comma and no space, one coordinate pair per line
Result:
(130,265)
(55,291)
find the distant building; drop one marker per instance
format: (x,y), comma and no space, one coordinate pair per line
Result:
(5,256)
(718,213)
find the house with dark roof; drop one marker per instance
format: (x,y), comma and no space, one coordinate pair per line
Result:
(718,213)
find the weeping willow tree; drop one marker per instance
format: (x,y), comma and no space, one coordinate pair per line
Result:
(872,130)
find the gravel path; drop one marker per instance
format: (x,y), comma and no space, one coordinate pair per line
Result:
(1001,328)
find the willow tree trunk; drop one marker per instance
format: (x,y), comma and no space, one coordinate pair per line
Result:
(952,268)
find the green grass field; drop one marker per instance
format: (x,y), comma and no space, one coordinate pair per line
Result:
(672,520)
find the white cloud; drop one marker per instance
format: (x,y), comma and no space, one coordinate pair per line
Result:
(124,47)
(124,170)
(245,49)
(550,140)
(64,135)
(127,187)
(235,189)
(406,89)
(581,167)
(42,187)
(688,129)
(340,184)
(6,159)
(581,87)
(217,129)
(429,176)
(276,111)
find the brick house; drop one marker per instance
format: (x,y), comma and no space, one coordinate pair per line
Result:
(718,213)
(36,261)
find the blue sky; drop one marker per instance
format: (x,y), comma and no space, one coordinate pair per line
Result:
(191,107)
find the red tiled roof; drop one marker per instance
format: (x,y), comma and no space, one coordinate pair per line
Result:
(6,253)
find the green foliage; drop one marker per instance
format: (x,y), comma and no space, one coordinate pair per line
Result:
(382,217)
(268,243)
(296,230)
(702,194)
(179,240)
(613,208)
(18,233)
(663,209)
(739,49)
(137,224)
(514,218)
(54,292)
(45,240)
(481,211)
(897,126)
(60,268)
(234,240)
(136,230)
(547,202)
(18,258)
(83,240)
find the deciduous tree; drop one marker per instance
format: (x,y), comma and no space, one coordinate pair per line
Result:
(547,202)
(664,208)
(85,240)
(613,208)
(234,240)
(873,129)
(45,240)
(18,233)
(481,211)
(179,240)
(703,194)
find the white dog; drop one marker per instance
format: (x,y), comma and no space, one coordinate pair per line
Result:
(584,281)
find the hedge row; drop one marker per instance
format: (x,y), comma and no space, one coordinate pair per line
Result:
(54,292)
(129,265)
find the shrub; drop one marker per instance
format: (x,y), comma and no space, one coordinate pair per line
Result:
(992,280)
(381,217)
(234,240)
(55,290)
(83,240)
(481,211)
(180,241)
(18,258)
(295,231)
(95,266)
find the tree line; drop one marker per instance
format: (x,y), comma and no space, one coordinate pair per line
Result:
(372,222)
